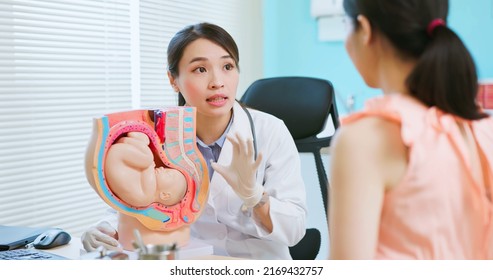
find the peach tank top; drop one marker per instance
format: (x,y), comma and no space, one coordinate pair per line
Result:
(442,208)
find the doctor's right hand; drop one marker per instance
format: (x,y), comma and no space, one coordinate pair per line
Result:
(103,234)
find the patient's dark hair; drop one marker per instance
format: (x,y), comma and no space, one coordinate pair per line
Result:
(445,75)
(189,34)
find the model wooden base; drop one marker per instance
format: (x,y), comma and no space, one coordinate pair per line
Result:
(127,224)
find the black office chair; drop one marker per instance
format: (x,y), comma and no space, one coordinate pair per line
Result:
(304,105)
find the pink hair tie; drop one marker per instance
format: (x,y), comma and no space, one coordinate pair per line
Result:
(434,24)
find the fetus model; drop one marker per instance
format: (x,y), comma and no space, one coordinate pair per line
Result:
(146,165)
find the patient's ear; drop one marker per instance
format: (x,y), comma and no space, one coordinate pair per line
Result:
(366,30)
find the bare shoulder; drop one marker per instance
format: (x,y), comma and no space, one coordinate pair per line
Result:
(372,145)
(374,133)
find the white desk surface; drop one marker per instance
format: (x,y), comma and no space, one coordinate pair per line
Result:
(196,251)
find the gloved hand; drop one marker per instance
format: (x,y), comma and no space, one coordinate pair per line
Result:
(241,173)
(103,234)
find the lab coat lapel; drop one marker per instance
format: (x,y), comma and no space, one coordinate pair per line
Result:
(240,125)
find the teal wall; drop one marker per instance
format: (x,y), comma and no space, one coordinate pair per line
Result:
(291,47)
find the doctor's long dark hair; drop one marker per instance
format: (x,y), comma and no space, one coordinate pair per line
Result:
(445,75)
(189,34)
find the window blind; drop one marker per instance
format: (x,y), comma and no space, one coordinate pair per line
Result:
(63,63)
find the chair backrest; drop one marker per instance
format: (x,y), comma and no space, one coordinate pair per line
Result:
(304,104)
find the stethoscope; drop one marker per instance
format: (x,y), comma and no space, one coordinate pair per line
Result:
(252,127)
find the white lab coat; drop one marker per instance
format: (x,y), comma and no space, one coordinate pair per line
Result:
(222,223)
(235,233)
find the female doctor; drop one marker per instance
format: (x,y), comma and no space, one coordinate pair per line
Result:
(256,207)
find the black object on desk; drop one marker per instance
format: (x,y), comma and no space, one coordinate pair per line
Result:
(51,238)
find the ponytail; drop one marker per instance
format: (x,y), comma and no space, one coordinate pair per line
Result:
(445,76)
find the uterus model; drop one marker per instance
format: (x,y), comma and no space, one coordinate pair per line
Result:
(161,212)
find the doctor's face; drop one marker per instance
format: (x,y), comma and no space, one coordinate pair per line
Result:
(208,78)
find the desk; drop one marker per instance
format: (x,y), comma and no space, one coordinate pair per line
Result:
(196,250)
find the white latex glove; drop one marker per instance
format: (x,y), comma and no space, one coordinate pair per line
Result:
(103,234)
(241,173)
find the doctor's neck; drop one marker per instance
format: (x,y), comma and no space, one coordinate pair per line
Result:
(209,129)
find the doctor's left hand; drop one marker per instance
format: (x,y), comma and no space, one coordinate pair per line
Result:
(241,173)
